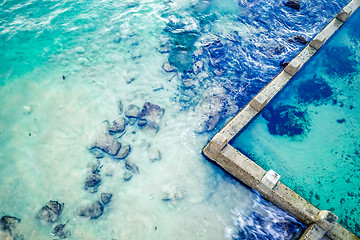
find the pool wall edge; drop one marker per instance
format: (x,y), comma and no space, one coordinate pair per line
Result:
(321,224)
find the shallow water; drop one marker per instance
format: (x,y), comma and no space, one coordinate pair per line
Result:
(66,65)
(316,151)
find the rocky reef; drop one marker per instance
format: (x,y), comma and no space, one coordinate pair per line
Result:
(286,120)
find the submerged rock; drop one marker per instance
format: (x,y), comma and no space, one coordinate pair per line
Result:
(150,116)
(118,125)
(120,107)
(154,154)
(142,122)
(279,49)
(300,39)
(97,153)
(106,197)
(60,232)
(94,167)
(294,4)
(50,212)
(130,80)
(314,91)
(132,111)
(131,166)
(168,68)
(286,120)
(92,210)
(342,120)
(151,127)
(342,66)
(151,112)
(107,143)
(127,175)
(8,223)
(132,120)
(124,152)
(209,109)
(93,180)
(173,192)
(212,121)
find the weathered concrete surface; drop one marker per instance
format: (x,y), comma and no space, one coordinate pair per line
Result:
(340,233)
(344,14)
(259,102)
(313,232)
(251,174)
(244,169)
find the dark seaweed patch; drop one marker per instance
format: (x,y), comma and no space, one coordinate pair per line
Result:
(286,120)
(342,120)
(314,91)
(339,61)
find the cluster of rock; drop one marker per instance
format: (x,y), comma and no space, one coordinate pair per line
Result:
(107,145)
(8,228)
(50,213)
(147,119)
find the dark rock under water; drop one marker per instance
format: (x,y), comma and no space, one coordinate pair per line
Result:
(286,120)
(151,112)
(132,111)
(154,154)
(341,66)
(123,152)
(92,180)
(118,125)
(294,4)
(314,91)
(8,223)
(107,143)
(300,39)
(106,197)
(131,166)
(50,212)
(93,210)
(60,231)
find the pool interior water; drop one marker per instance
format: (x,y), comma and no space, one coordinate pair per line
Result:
(65,68)
(310,132)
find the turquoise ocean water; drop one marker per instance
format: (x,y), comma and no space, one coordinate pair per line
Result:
(310,132)
(65,68)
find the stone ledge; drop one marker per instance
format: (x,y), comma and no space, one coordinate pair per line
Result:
(259,102)
(344,14)
(270,179)
(293,67)
(317,42)
(326,220)
(313,232)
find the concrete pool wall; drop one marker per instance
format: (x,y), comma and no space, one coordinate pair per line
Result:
(321,224)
